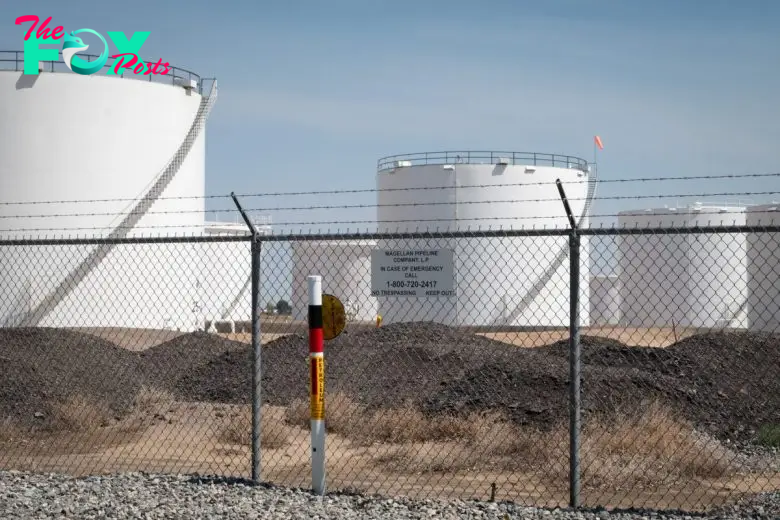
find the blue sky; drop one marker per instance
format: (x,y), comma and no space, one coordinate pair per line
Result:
(312,93)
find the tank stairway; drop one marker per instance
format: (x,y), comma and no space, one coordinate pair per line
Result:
(128,223)
(560,258)
(232,306)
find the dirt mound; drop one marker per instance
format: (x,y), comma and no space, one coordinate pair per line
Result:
(42,368)
(709,378)
(165,364)
(608,352)
(727,383)
(733,379)
(369,365)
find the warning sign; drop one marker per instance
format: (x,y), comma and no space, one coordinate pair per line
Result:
(334,318)
(415,273)
(317,388)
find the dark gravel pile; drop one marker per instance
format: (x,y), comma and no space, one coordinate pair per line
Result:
(41,367)
(387,365)
(165,364)
(728,383)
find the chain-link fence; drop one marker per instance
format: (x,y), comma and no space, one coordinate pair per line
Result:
(460,372)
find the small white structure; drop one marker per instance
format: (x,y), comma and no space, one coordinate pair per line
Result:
(682,279)
(225,280)
(515,281)
(345,268)
(604,300)
(763,257)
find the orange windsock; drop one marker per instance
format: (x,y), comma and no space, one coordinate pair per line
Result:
(598,142)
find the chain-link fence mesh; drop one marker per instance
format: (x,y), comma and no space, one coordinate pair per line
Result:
(450,379)
(105,366)
(681,369)
(442,398)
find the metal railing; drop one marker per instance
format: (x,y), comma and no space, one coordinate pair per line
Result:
(14,60)
(481,157)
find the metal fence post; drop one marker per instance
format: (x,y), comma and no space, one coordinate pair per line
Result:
(574,370)
(256,342)
(574,352)
(256,360)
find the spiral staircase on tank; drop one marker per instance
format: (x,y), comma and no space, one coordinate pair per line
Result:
(560,257)
(137,211)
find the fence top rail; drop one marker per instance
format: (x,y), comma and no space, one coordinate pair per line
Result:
(363,236)
(14,61)
(392,162)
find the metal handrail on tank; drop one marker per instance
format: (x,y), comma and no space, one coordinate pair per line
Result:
(392,162)
(14,60)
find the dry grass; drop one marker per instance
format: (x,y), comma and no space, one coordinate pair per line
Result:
(9,432)
(345,417)
(78,414)
(646,449)
(237,428)
(769,435)
(152,400)
(653,447)
(650,448)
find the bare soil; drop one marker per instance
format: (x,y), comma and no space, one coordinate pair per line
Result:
(186,437)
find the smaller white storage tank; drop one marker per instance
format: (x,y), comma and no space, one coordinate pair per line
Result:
(225,278)
(683,279)
(763,254)
(520,281)
(345,268)
(604,300)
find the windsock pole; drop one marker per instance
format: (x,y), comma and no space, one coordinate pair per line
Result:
(317,385)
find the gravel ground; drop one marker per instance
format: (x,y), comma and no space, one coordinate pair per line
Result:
(27,496)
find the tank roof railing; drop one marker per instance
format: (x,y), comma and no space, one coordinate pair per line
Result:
(392,162)
(14,60)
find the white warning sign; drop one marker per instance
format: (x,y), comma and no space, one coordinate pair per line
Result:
(415,273)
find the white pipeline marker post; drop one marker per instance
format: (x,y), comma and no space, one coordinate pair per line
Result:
(317,385)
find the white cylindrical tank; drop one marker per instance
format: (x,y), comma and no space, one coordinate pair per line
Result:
(108,140)
(604,300)
(763,254)
(682,279)
(509,281)
(345,267)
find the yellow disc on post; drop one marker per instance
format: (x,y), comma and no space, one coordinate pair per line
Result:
(334,318)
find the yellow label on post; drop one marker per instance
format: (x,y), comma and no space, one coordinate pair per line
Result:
(317,388)
(334,317)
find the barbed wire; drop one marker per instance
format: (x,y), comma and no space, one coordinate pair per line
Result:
(378,190)
(400,204)
(562,218)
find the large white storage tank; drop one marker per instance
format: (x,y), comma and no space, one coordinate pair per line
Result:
(345,268)
(763,253)
(682,279)
(604,300)
(137,147)
(509,281)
